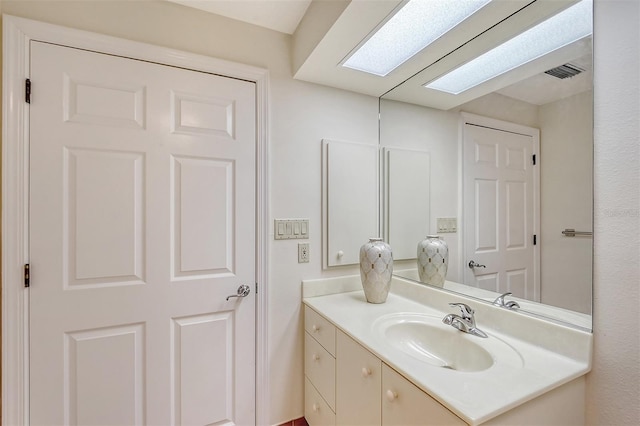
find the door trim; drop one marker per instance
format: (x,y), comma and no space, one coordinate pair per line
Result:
(506,126)
(17,33)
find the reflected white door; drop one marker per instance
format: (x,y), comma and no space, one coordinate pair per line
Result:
(499,211)
(142,222)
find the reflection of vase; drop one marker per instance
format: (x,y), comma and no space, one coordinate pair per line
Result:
(376,267)
(433,260)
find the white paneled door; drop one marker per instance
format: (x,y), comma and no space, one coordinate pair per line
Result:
(142,222)
(499,211)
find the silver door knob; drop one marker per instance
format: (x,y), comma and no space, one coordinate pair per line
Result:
(243,291)
(473,264)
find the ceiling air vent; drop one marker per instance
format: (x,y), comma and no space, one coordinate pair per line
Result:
(565,71)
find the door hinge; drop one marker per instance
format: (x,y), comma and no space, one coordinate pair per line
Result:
(26,275)
(27,91)
(256,288)
(534,159)
(535,240)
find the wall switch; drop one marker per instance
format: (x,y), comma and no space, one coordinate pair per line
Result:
(447,225)
(287,229)
(303,252)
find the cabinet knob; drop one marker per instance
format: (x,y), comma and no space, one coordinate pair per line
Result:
(340,254)
(316,357)
(366,372)
(391,395)
(315,407)
(315,328)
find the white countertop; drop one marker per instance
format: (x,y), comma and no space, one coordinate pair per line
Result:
(550,354)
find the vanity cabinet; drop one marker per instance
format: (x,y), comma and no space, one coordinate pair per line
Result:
(319,369)
(365,390)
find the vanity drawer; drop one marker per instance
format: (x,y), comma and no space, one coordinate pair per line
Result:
(316,410)
(320,369)
(320,329)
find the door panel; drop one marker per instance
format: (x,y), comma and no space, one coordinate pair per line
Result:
(93,212)
(142,222)
(499,211)
(203,368)
(111,394)
(486,217)
(203,205)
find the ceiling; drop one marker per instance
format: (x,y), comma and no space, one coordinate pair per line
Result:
(280,15)
(325,32)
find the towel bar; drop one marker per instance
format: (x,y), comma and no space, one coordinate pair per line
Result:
(572,233)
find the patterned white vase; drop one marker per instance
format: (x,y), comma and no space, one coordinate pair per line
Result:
(376,267)
(433,260)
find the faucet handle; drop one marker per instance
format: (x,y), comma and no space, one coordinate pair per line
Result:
(509,305)
(500,299)
(467,312)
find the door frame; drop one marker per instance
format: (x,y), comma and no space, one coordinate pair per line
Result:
(505,126)
(17,33)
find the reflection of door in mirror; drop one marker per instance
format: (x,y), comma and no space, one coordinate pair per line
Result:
(500,207)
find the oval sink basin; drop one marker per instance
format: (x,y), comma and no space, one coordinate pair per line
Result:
(427,339)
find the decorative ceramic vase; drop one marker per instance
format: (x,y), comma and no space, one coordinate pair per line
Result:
(376,267)
(433,260)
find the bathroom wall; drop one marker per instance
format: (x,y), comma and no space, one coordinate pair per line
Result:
(566,201)
(613,387)
(302,114)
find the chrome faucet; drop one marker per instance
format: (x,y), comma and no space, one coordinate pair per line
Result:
(465,323)
(512,304)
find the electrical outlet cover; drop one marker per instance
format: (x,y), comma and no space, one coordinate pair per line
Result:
(303,252)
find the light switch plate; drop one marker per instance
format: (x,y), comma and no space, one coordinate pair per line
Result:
(447,225)
(289,229)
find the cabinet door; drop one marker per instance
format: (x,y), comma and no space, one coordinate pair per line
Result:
(358,381)
(404,404)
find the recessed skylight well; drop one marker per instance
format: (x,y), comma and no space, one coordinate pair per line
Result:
(417,24)
(568,26)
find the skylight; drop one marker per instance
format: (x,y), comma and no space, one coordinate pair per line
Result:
(566,27)
(416,25)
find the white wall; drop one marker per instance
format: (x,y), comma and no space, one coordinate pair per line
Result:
(566,201)
(613,387)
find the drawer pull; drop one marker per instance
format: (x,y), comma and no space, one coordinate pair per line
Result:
(366,372)
(316,357)
(315,407)
(391,395)
(315,328)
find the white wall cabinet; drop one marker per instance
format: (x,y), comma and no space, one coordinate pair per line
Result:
(407,214)
(349,200)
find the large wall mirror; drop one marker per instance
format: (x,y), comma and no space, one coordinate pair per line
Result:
(432,142)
